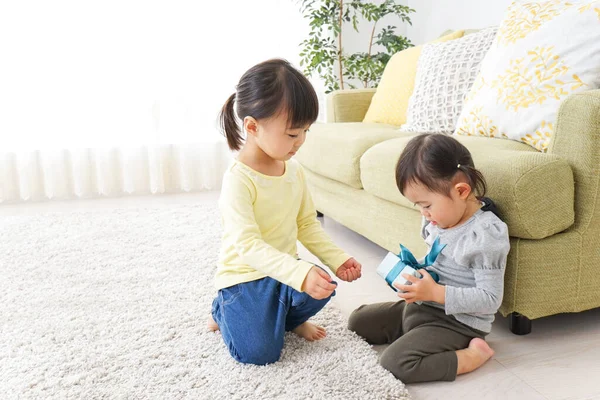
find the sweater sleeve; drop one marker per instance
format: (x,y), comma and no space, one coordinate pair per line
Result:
(312,235)
(241,228)
(484,250)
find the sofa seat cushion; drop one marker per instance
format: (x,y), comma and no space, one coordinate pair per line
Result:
(334,150)
(534,191)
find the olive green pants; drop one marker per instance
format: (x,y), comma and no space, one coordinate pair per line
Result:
(423,339)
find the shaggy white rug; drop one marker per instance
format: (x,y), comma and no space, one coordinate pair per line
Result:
(113,304)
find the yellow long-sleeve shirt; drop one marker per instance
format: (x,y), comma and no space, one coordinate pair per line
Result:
(263,218)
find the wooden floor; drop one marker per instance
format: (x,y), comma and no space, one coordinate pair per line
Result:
(560,359)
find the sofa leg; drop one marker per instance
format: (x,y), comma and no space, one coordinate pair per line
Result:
(319,214)
(519,324)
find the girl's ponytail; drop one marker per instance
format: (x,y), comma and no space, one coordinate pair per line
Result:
(229,125)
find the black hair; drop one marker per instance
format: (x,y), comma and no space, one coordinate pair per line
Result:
(434,160)
(264,91)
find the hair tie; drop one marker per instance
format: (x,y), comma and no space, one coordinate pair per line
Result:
(458,166)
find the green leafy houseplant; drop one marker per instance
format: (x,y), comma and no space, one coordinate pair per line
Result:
(322,52)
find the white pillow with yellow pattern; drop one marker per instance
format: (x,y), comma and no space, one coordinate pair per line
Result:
(543,52)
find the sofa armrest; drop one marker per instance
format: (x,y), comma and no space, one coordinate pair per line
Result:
(577,140)
(349,105)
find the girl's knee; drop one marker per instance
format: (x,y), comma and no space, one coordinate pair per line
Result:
(356,321)
(257,356)
(258,359)
(303,301)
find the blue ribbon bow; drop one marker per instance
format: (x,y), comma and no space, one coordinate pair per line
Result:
(407,259)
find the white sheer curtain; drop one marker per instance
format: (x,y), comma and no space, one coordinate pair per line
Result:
(111,98)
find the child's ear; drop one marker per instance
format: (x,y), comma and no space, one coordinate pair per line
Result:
(463,189)
(250,125)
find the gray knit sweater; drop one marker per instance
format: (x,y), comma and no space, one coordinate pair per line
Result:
(471,266)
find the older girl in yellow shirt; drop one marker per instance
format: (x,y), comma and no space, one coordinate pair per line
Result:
(264,289)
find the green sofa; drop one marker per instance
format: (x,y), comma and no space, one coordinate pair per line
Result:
(550,201)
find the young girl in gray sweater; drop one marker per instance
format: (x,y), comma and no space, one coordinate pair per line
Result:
(437,332)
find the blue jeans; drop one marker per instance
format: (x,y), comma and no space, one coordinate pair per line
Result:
(254,316)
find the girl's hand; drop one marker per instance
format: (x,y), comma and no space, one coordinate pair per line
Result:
(349,271)
(318,284)
(423,289)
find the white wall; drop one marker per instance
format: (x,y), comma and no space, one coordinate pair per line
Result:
(432,17)
(88,74)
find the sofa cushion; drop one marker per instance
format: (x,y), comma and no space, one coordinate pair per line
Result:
(534,191)
(334,150)
(544,52)
(446,71)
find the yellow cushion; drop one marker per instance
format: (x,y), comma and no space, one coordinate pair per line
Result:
(390,102)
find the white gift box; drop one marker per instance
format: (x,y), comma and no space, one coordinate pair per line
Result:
(388,263)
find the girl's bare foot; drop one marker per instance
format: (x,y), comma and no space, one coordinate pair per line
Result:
(310,331)
(212,325)
(473,356)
